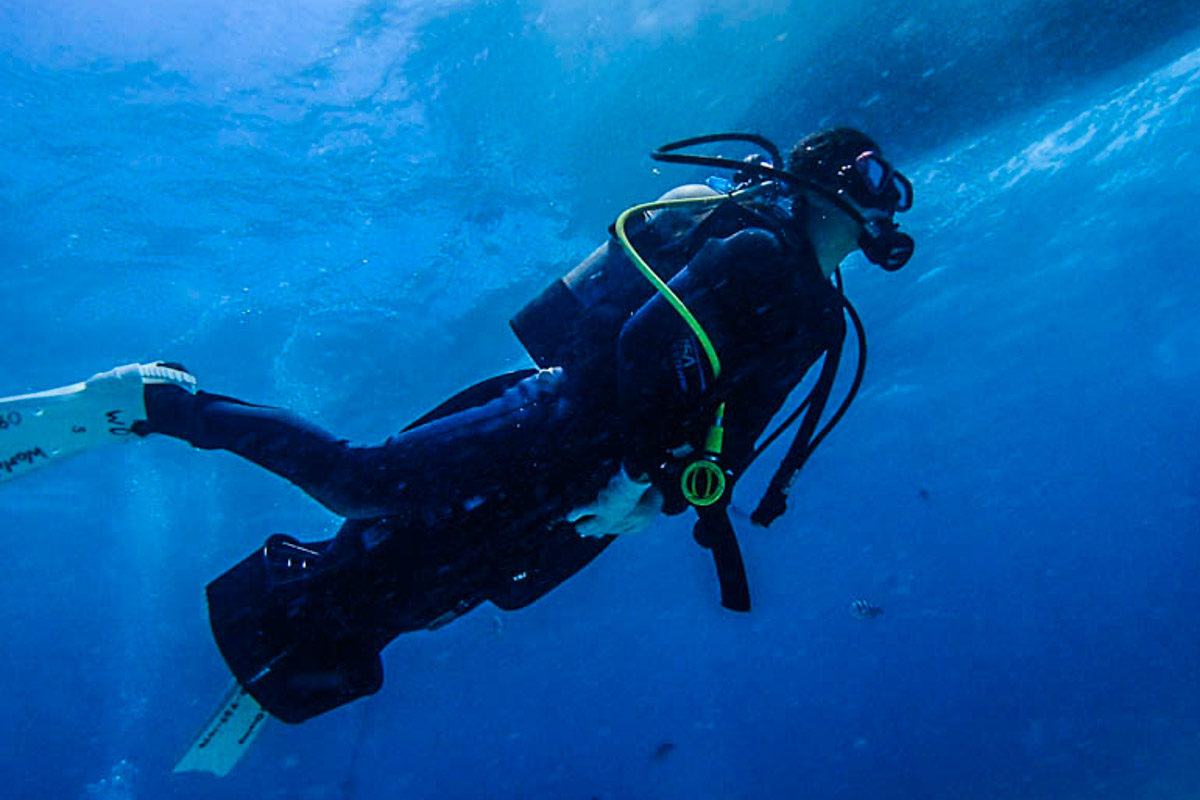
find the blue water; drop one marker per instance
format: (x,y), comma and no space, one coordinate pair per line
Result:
(335,207)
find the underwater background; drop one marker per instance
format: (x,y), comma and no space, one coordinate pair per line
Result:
(335,206)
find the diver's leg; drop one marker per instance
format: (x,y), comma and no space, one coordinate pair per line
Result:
(478,454)
(273,438)
(490,452)
(444,463)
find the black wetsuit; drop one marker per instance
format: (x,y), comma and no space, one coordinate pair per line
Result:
(467,504)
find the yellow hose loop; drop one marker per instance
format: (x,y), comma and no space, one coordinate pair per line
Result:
(658,283)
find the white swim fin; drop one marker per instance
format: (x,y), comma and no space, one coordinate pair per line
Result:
(227,736)
(44,427)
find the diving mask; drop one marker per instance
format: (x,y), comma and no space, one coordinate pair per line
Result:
(872,182)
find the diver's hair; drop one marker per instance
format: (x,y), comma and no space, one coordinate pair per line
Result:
(820,155)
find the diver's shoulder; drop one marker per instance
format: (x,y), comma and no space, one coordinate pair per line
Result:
(759,244)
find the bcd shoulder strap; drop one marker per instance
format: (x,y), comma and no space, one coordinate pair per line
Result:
(774,500)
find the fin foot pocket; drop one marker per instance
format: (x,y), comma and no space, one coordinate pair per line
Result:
(41,428)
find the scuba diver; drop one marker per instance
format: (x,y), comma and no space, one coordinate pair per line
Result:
(660,362)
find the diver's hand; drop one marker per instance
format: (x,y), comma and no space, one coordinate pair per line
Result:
(625,505)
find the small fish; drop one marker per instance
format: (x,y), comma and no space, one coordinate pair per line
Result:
(865,609)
